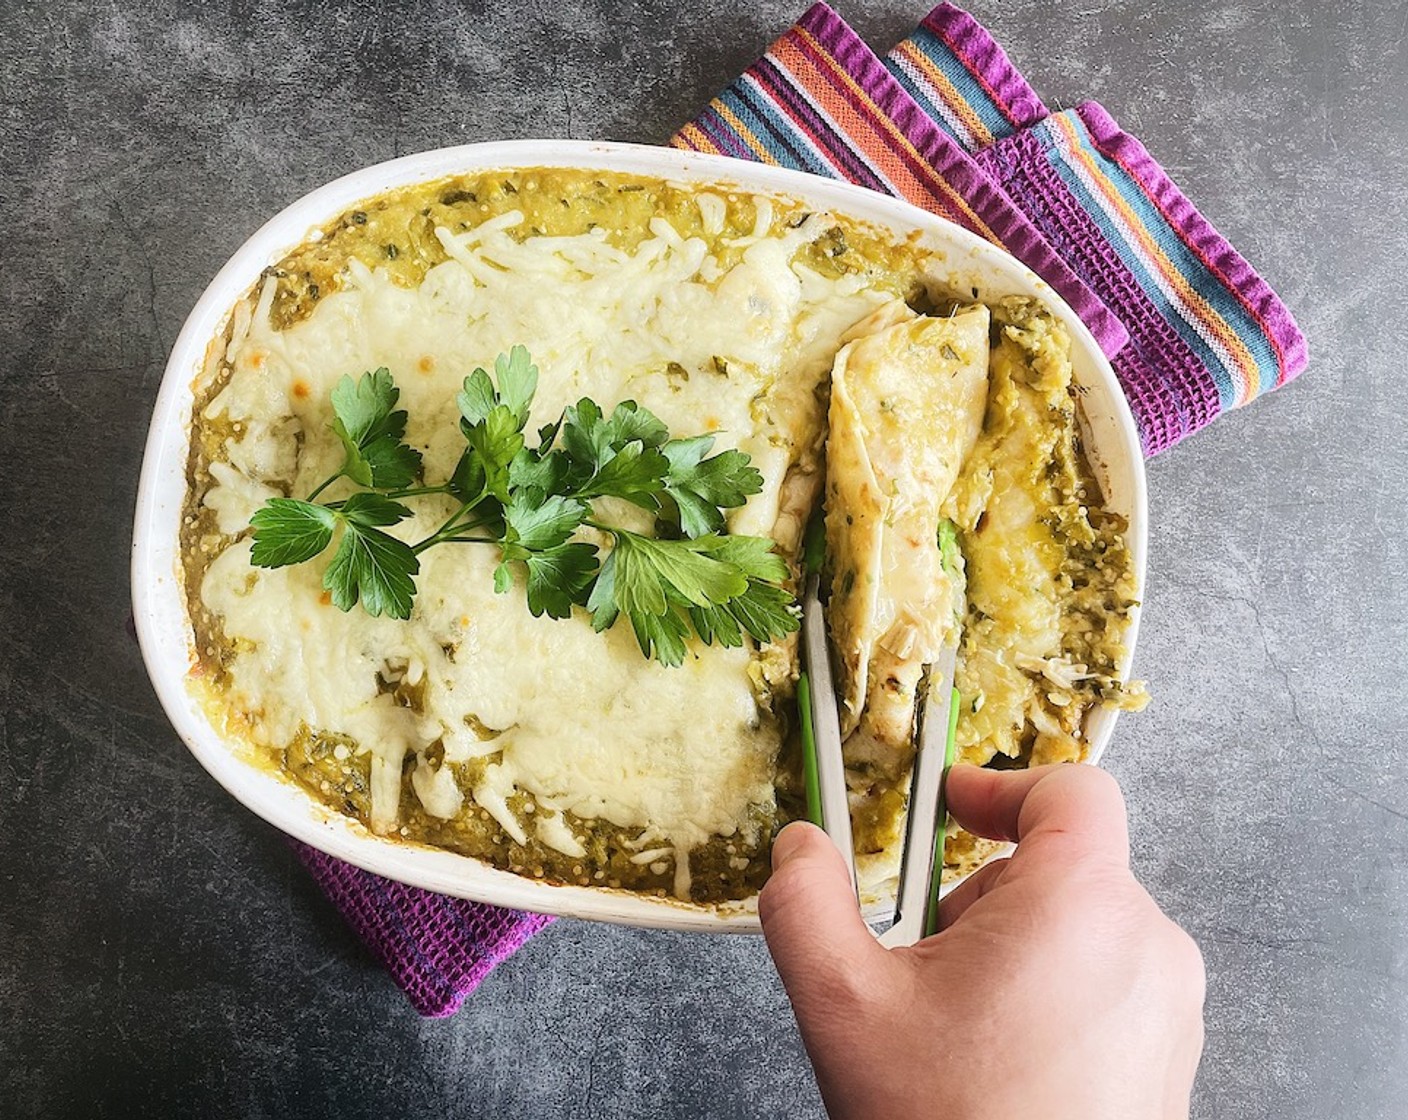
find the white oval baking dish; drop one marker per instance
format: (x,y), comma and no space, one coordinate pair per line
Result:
(1111,443)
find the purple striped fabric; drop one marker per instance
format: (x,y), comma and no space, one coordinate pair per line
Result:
(437,948)
(822,101)
(1206,332)
(962,78)
(1190,327)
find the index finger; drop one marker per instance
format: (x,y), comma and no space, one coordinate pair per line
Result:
(1079,804)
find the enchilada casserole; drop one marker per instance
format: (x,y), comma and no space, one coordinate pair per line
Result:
(834,355)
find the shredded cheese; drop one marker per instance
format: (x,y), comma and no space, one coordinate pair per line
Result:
(590,729)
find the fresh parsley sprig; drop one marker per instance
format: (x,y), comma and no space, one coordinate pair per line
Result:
(533,501)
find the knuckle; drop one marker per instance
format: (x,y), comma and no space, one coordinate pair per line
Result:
(783,888)
(1188,961)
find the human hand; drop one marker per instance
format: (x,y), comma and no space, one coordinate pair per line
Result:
(1055,988)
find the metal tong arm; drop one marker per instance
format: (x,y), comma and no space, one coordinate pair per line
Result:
(921,866)
(832,806)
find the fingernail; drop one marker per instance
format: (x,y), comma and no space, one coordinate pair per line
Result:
(787,843)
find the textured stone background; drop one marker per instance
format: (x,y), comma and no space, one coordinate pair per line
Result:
(161,954)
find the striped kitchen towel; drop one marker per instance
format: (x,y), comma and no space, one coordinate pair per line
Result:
(947,122)
(437,948)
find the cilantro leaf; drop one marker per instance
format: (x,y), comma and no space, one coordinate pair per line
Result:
(287,531)
(370,427)
(700,486)
(374,568)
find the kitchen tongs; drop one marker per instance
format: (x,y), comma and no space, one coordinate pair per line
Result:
(824,775)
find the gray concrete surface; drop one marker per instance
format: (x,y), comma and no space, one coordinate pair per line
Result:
(161,954)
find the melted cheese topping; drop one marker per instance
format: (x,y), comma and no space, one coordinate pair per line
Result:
(579,725)
(1049,581)
(541,741)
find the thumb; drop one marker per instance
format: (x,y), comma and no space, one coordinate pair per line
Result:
(809,912)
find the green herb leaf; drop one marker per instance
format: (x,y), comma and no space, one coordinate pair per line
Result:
(536,527)
(723,586)
(584,435)
(949,553)
(478,398)
(391,464)
(765,611)
(634,473)
(558,578)
(699,487)
(365,407)
(661,636)
(602,600)
(630,421)
(536,532)
(370,427)
(532,501)
(495,441)
(543,473)
(716,624)
(518,381)
(287,531)
(591,439)
(374,568)
(547,434)
(469,483)
(372,510)
(756,557)
(647,570)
